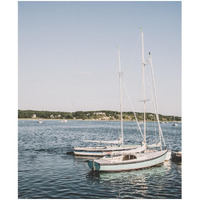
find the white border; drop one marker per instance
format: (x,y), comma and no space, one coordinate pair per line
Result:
(9,98)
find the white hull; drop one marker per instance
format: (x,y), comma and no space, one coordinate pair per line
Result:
(141,161)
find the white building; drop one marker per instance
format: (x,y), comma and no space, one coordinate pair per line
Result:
(51,116)
(34,116)
(99,113)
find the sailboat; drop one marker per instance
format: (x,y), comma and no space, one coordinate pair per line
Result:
(115,146)
(152,155)
(174,123)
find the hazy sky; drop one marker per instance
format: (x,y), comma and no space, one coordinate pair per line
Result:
(68,57)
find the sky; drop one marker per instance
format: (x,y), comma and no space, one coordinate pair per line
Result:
(67,56)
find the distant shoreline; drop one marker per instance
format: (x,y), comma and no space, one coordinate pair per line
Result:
(100,115)
(87,120)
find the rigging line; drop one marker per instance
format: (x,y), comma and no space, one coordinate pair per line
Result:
(155,98)
(153,103)
(109,132)
(155,125)
(90,124)
(87,127)
(133,109)
(109,129)
(88,131)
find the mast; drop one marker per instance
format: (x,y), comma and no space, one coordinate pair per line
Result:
(120,91)
(144,96)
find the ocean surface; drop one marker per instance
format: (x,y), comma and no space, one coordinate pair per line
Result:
(46,169)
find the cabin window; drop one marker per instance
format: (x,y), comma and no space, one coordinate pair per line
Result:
(129,157)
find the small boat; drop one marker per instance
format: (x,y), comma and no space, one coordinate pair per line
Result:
(176,156)
(64,120)
(149,155)
(40,121)
(174,124)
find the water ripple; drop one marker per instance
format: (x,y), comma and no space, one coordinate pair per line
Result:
(46,171)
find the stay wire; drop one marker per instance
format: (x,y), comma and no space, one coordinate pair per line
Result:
(133,109)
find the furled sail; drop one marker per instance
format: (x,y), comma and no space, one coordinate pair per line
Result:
(154,145)
(128,152)
(105,142)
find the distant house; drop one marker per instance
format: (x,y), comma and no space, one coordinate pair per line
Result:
(59,116)
(99,113)
(34,116)
(51,116)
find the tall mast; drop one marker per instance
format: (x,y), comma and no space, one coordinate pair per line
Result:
(144,96)
(120,90)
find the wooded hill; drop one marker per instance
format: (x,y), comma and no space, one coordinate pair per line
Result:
(92,115)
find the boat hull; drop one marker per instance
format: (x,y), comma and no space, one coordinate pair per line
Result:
(159,158)
(101,151)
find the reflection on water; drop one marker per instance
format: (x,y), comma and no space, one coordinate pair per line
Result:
(139,183)
(126,176)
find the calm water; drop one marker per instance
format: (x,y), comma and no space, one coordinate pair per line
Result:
(46,171)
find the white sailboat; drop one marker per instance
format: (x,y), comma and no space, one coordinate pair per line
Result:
(132,159)
(117,145)
(174,124)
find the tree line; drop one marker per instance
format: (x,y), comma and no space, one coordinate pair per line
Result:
(92,115)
